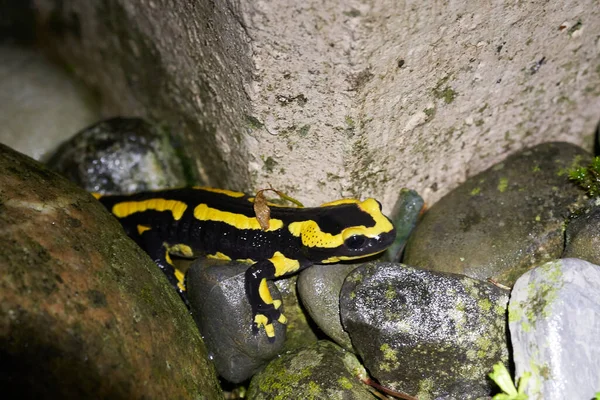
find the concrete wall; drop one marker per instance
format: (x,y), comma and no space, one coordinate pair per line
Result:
(325,99)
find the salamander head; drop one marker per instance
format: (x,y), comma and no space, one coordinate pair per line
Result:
(345,230)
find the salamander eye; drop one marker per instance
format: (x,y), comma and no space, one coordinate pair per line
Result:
(355,242)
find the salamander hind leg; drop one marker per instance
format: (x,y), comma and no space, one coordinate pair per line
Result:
(265,310)
(159,252)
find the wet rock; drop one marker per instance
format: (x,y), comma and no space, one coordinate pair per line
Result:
(222,312)
(503,221)
(554,316)
(120,155)
(40,104)
(583,235)
(84,312)
(425,333)
(319,287)
(320,371)
(299,333)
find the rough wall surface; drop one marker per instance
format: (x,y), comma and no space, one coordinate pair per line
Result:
(480,80)
(365,97)
(307,68)
(330,99)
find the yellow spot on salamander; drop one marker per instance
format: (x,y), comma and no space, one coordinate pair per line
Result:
(127,208)
(96,195)
(264,293)
(262,320)
(229,193)
(203,212)
(295,228)
(142,228)
(219,256)
(342,201)
(180,279)
(335,259)
(168,257)
(181,249)
(284,265)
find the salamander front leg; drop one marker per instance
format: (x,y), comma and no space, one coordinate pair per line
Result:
(265,310)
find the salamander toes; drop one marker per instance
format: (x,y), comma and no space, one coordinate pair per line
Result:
(264,319)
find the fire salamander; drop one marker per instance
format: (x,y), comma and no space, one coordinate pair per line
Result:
(218,223)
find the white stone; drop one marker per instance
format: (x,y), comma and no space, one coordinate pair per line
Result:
(554,319)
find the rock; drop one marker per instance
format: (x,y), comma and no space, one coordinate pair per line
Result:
(404,215)
(503,221)
(120,155)
(40,105)
(299,333)
(425,333)
(319,287)
(319,371)
(217,296)
(583,235)
(554,316)
(84,312)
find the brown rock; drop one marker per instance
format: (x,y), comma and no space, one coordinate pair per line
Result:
(84,313)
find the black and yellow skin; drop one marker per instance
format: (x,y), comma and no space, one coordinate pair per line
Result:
(194,222)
